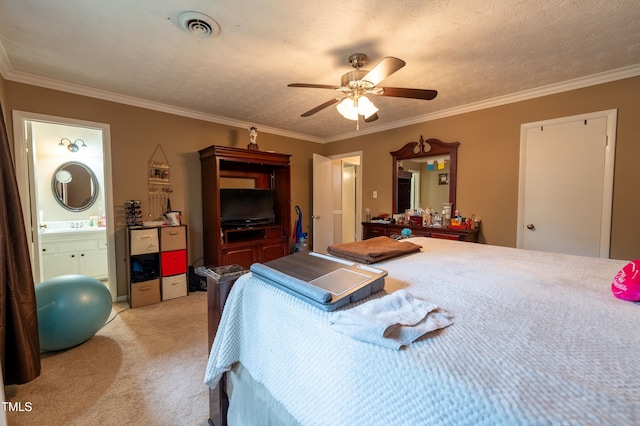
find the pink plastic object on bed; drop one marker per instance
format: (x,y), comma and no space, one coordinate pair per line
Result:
(626,284)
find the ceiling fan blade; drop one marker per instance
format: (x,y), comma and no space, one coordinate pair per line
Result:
(321,107)
(400,92)
(384,69)
(313,86)
(371,118)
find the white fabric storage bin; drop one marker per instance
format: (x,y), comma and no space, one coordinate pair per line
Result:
(174,286)
(144,241)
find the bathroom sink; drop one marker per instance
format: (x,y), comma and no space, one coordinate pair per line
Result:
(72,230)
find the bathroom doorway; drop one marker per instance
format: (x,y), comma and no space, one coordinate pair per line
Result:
(63,169)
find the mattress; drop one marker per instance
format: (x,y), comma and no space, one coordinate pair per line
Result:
(250,403)
(537,338)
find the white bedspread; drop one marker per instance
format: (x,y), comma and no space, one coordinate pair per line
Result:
(537,338)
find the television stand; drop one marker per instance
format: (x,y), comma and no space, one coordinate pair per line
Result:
(251,233)
(244,245)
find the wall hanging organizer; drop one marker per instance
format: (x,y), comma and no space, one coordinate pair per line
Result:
(159,184)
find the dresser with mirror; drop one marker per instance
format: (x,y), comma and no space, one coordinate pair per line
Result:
(424,176)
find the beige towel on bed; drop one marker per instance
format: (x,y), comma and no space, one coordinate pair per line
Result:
(372,250)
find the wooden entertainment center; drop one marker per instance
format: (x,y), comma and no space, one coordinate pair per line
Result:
(224,166)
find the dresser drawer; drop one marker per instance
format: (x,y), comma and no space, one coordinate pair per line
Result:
(173,262)
(145,293)
(442,236)
(173,238)
(374,231)
(144,241)
(174,286)
(420,232)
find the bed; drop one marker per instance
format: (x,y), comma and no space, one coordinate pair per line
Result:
(537,338)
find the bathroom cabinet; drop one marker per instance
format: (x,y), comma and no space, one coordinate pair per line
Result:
(156,264)
(80,252)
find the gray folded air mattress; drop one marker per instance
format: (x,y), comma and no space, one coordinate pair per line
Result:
(324,281)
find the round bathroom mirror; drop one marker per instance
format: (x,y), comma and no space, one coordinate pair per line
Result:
(74,186)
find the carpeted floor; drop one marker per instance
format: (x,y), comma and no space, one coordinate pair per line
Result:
(144,367)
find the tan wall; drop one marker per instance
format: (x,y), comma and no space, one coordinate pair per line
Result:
(135,133)
(488,159)
(487,169)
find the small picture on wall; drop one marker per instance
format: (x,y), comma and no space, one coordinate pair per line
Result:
(444,179)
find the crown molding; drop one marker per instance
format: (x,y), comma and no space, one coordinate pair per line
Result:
(551,89)
(143,103)
(9,73)
(19,77)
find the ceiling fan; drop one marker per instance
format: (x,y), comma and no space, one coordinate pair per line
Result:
(355,85)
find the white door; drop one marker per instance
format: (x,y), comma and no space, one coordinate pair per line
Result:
(566,184)
(322,204)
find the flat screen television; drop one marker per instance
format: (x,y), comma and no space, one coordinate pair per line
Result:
(246,207)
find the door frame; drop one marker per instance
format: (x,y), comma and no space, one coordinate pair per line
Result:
(358,207)
(23,156)
(609,165)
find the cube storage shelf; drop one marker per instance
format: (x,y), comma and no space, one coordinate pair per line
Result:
(156,264)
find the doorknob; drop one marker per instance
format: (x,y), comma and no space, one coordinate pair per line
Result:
(531,226)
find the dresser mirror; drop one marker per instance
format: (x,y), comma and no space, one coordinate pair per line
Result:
(424,175)
(74,186)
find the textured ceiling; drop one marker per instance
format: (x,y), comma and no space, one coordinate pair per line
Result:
(470,51)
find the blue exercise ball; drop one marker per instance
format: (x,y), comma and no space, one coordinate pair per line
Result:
(71,309)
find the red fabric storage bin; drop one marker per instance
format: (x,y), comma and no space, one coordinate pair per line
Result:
(173,262)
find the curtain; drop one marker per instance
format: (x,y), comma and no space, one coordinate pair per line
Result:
(19,339)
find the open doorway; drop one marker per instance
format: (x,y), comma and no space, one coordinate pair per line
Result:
(350,199)
(337,200)
(63,169)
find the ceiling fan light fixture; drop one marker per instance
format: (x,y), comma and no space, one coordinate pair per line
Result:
(348,109)
(366,108)
(355,84)
(351,108)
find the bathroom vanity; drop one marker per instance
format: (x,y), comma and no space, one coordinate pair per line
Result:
(75,251)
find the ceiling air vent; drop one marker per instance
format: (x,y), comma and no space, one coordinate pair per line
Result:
(199,24)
